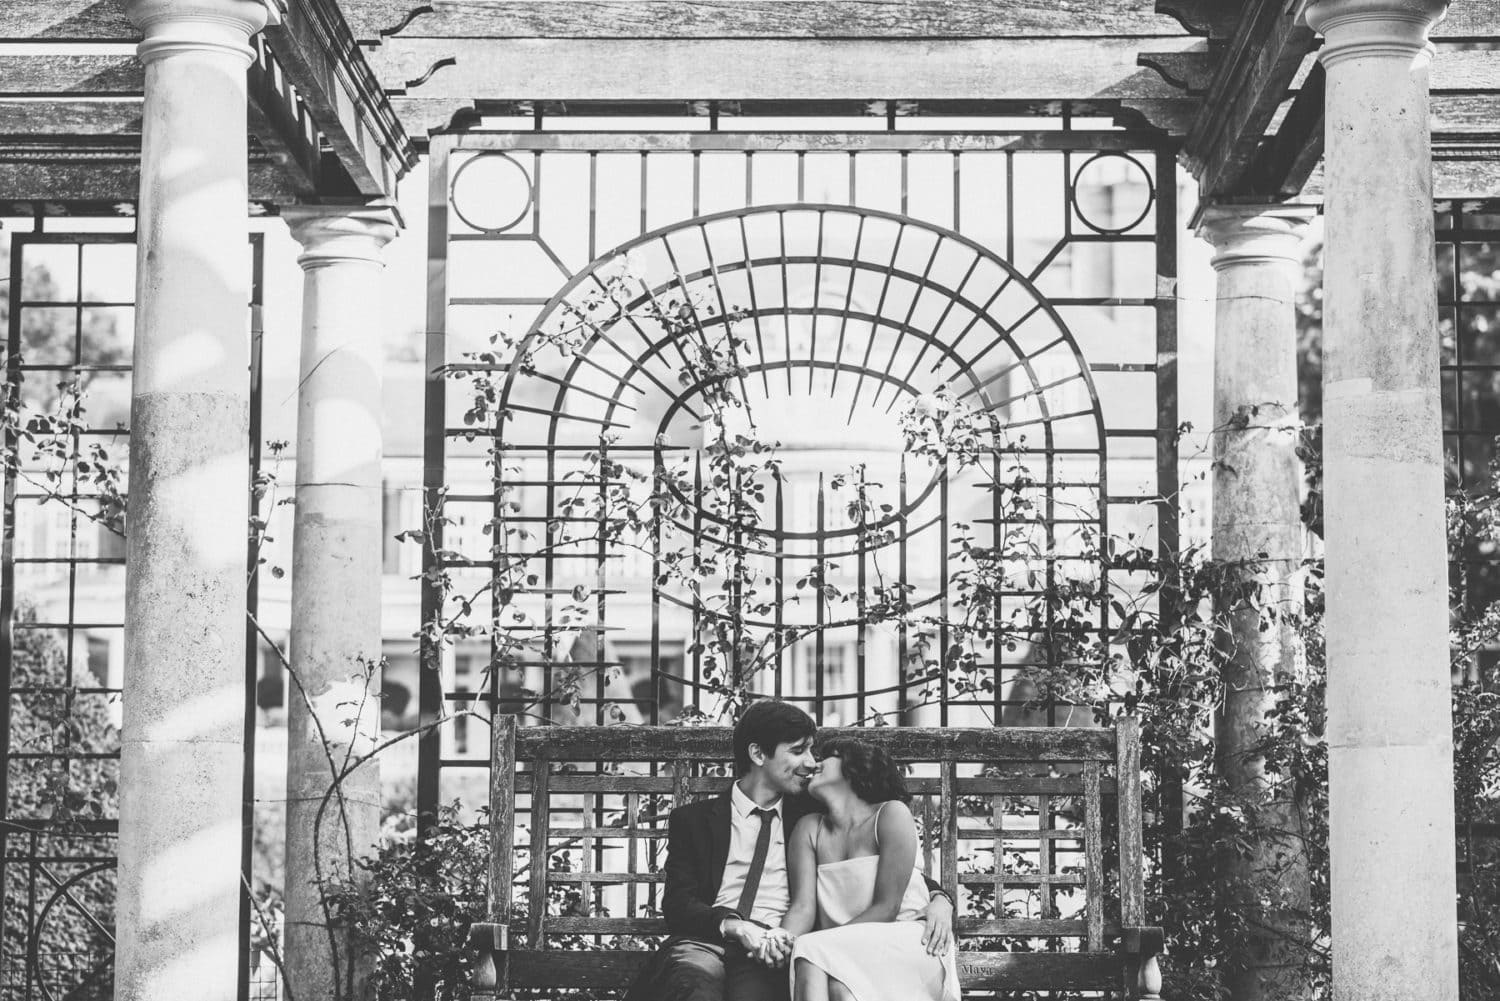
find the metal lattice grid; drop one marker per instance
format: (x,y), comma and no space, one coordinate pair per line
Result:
(1468,289)
(62,594)
(1468,255)
(1031,273)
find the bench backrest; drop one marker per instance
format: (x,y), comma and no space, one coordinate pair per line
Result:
(1015,824)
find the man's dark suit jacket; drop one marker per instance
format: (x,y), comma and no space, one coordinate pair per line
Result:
(697,849)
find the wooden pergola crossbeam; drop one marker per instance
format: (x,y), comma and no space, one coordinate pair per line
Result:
(66,21)
(89,117)
(1257,69)
(318,113)
(768,69)
(1282,164)
(278,118)
(705,19)
(320,57)
(62,101)
(69,75)
(1243,81)
(59,177)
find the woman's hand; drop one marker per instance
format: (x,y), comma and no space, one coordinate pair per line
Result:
(937,919)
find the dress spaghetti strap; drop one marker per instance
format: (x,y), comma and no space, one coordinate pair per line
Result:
(877,825)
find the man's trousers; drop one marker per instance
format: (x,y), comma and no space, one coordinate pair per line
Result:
(686,969)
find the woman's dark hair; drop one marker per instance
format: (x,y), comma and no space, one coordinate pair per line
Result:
(870,772)
(769,724)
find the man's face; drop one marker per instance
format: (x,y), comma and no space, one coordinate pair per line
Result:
(789,766)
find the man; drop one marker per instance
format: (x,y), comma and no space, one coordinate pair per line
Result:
(726,872)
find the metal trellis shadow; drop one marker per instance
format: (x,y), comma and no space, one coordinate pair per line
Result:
(70,302)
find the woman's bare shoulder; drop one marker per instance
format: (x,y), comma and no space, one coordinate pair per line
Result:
(895,811)
(807,825)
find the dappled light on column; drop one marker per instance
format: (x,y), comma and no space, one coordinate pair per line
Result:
(1389,726)
(333,711)
(182,747)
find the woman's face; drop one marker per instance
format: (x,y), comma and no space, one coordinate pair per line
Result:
(830,773)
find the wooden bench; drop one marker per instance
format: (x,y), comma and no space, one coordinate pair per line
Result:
(1069,888)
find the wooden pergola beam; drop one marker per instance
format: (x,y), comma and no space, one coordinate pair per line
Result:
(1212,18)
(1256,72)
(1284,162)
(58,176)
(97,95)
(703,19)
(320,57)
(1470,20)
(83,118)
(278,119)
(1246,79)
(769,69)
(67,75)
(316,89)
(66,21)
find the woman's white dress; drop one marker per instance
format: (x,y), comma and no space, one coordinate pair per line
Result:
(876,960)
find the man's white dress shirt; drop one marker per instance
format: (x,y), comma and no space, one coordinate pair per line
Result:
(772,898)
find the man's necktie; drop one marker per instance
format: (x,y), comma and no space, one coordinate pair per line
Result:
(757,862)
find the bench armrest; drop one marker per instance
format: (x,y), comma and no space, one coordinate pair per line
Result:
(1142,940)
(1143,943)
(488,942)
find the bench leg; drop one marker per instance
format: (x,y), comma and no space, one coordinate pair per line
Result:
(1142,970)
(1142,979)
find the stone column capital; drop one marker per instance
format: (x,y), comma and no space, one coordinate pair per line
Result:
(1392,29)
(333,234)
(1255,234)
(176,26)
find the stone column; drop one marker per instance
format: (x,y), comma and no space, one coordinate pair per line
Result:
(1389,727)
(182,746)
(333,711)
(1257,525)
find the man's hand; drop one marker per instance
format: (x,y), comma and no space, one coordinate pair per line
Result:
(749,936)
(937,935)
(775,948)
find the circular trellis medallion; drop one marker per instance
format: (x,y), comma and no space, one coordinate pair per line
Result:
(492,192)
(1098,163)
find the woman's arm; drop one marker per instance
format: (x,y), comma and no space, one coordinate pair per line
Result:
(897,832)
(802,877)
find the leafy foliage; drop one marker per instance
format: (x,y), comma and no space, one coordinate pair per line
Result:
(64,795)
(411,910)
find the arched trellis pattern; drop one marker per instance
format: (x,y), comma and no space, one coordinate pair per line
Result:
(836,317)
(983,335)
(835,320)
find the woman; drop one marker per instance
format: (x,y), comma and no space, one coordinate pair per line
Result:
(852,870)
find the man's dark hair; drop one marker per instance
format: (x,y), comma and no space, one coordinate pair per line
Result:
(769,723)
(870,772)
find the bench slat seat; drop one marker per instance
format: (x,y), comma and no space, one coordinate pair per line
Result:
(979,970)
(1048,884)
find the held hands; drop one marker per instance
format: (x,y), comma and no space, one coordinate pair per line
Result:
(937,935)
(775,948)
(770,947)
(767,946)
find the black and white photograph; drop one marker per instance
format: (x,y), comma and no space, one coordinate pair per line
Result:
(750,500)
